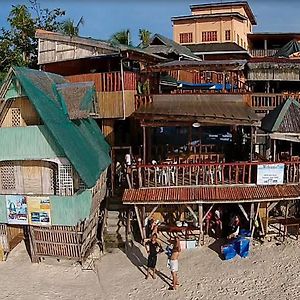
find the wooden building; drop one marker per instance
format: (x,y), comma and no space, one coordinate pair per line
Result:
(53,162)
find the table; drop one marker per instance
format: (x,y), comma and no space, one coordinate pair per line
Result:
(290,222)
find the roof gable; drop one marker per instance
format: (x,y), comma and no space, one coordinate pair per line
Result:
(285,118)
(89,158)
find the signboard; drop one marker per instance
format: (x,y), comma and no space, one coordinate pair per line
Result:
(16,207)
(39,211)
(270,174)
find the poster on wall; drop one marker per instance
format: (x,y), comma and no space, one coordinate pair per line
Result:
(39,211)
(270,174)
(16,207)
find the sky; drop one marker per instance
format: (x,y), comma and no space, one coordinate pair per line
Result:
(104,17)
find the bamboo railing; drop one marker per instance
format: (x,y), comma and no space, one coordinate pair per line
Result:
(242,173)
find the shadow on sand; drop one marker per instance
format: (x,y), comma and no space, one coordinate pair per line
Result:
(216,247)
(136,257)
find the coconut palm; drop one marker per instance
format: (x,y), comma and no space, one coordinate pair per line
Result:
(122,37)
(68,27)
(144,36)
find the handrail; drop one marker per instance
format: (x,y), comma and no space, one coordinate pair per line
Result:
(238,173)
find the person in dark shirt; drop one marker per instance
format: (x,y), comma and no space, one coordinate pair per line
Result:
(153,247)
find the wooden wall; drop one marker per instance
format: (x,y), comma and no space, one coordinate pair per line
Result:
(50,51)
(21,113)
(27,177)
(109,92)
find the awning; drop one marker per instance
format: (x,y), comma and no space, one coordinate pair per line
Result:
(201,194)
(218,109)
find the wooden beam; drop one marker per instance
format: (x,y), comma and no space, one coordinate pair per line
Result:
(211,207)
(151,213)
(139,221)
(255,219)
(271,206)
(251,215)
(200,223)
(144,145)
(243,211)
(192,212)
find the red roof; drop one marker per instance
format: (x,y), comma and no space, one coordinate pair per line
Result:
(214,194)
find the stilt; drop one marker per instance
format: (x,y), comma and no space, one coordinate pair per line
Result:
(255,219)
(144,145)
(139,222)
(251,215)
(200,224)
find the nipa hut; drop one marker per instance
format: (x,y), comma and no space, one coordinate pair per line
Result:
(53,162)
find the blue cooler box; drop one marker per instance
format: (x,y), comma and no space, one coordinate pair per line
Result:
(229,251)
(242,246)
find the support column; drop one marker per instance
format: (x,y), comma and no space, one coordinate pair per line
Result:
(251,144)
(144,145)
(274,150)
(200,224)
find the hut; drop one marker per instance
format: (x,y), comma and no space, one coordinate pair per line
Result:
(53,163)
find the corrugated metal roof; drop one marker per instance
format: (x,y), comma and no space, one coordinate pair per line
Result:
(213,108)
(208,194)
(206,65)
(216,47)
(285,118)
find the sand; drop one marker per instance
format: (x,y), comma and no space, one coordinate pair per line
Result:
(272,271)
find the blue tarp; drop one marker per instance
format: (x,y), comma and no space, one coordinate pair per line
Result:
(205,86)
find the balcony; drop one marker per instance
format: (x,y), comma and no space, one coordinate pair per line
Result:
(205,174)
(262,52)
(112,102)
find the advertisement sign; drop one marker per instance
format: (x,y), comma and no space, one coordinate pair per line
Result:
(16,207)
(270,174)
(39,211)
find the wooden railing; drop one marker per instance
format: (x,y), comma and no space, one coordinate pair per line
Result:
(269,101)
(108,81)
(167,175)
(262,52)
(141,100)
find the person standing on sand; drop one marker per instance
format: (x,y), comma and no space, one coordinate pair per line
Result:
(173,261)
(153,248)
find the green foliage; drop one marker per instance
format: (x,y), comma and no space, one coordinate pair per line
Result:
(18,45)
(122,37)
(68,27)
(144,36)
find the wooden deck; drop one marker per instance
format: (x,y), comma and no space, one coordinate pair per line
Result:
(172,175)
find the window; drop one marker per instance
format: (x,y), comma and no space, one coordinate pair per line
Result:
(65,175)
(238,39)
(242,42)
(15,117)
(186,37)
(209,36)
(8,179)
(227,35)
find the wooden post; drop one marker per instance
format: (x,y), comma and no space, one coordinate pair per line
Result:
(144,220)
(243,211)
(192,212)
(151,213)
(291,149)
(144,145)
(200,223)
(255,219)
(139,222)
(274,150)
(251,215)
(251,144)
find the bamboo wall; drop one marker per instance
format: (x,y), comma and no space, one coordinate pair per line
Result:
(269,74)
(109,92)
(27,177)
(21,113)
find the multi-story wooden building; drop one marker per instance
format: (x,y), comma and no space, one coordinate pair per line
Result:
(53,162)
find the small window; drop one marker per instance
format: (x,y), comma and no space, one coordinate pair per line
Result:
(227,35)
(15,117)
(65,180)
(242,42)
(238,39)
(186,37)
(8,179)
(209,36)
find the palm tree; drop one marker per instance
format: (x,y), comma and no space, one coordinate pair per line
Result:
(122,37)
(144,36)
(68,27)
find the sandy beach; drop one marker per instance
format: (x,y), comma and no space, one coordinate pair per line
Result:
(272,271)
